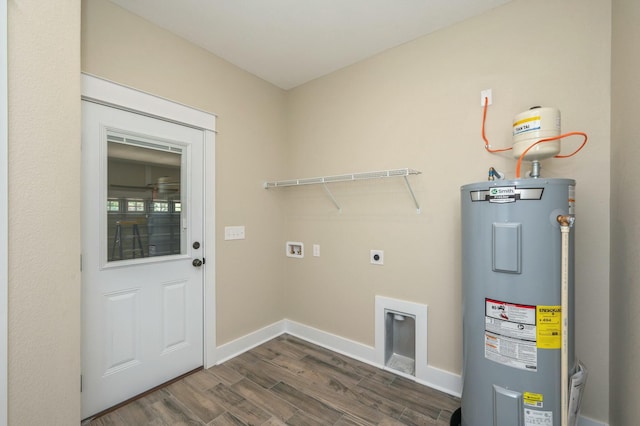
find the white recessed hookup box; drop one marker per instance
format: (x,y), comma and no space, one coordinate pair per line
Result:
(295,249)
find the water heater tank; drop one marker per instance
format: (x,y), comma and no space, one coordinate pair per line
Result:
(531,126)
(511,283)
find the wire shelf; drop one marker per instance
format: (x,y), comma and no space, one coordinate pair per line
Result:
(323,180)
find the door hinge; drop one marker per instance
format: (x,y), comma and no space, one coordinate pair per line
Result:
(81,383)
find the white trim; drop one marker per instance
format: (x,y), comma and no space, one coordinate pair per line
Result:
(4,215)
(105,92)
(116,95)
(249,341)
(209,250)
(333,342)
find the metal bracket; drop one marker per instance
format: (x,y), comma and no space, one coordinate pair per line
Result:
(415,201)
(335,203)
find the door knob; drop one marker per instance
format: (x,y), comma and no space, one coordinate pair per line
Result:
(197,263)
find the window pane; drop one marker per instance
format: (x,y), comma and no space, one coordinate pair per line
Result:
(135,206)
(145,175)
(160,206)
(113,206)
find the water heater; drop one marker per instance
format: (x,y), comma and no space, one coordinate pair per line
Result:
(511,284)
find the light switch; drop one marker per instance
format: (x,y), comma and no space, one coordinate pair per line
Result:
(234,232)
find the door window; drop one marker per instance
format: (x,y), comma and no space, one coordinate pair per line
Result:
(144,198)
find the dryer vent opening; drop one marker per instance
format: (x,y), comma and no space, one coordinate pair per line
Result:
(401,337)
(400,342)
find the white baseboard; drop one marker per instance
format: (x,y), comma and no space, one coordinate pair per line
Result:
(249,341)
(332,342)
(433,377)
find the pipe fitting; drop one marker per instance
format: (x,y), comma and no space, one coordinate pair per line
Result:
(566,220)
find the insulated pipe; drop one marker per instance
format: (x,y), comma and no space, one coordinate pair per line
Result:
(565,222)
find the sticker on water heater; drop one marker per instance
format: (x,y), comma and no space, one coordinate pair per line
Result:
(516,353)
(515,312)
(538,418)
(510,334)
(549,327)
(572,199)
(532,399)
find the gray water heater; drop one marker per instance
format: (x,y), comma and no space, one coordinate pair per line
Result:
(511,286)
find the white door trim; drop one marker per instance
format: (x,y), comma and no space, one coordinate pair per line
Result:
(4,214)
(116,95)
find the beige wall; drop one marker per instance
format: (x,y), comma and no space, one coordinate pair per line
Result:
(413,106)
(44,212)
(418,106)
(625,211)
(121,47)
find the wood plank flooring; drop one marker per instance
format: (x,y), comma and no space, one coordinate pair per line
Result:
(288,381)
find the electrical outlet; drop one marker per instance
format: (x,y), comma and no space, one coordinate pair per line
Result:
(486,94)
(377,257)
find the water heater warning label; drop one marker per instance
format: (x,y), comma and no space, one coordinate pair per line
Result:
(510,334)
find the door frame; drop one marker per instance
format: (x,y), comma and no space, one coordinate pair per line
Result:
(4,213)
(95,89)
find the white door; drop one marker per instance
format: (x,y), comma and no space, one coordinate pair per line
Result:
(142,278)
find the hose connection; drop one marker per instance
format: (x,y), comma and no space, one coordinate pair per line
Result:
(494,174)
(566,220)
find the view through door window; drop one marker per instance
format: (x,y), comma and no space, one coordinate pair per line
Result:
(144,203)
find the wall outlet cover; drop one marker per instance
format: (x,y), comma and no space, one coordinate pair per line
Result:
(377,257)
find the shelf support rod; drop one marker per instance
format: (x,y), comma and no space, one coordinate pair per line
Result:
(415,201)
(335,203)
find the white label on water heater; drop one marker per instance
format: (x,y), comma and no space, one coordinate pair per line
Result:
(572,199)
(538,418)
(510,334)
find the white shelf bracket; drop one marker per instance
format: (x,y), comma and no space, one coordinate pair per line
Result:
(335,203)
(415,201)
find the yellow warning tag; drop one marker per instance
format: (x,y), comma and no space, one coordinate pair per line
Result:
(533,399)
(549,327)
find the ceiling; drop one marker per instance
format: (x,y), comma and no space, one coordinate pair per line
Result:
(290,42)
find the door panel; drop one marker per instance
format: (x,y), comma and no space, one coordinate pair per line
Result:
(142,298)
(121,326)
(175,318)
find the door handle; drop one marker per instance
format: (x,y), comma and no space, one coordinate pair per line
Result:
(197,263)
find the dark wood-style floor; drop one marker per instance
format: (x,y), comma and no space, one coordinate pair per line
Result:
(293,382)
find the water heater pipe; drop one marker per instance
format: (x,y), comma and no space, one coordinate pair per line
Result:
(565,221)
